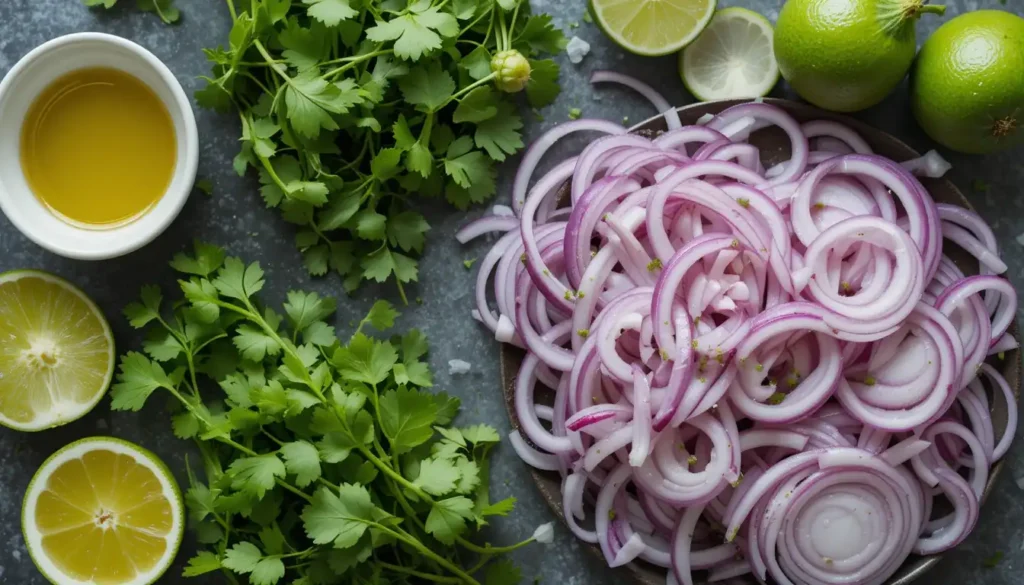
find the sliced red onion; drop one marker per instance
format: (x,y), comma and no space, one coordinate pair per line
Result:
(684,284)
(660,103)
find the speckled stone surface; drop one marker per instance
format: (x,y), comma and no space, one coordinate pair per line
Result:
(234,217)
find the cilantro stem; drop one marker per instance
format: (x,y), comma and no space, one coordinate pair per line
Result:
(471,87)
(512,26)
(353,61)
(421,575)
(414,542)
(492,550)
(229,441)
(474,23)
(231,9)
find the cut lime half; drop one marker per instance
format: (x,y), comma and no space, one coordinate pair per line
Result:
(652,27)
(56,351)
(102,511)
(733,58)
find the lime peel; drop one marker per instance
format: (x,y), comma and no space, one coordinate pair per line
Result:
(51,376)
(73,454)
(652,27)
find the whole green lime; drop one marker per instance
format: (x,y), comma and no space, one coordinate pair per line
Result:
(967,86)
(847,55)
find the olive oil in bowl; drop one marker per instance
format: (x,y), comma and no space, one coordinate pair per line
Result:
(98,148)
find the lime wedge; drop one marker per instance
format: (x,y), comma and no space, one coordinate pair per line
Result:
(733,57)
(652,27)
(102,511)
(56,351)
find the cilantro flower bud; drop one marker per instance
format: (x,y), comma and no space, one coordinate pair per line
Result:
(512,69)
(545,533)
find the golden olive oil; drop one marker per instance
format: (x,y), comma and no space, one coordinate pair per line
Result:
(98,147)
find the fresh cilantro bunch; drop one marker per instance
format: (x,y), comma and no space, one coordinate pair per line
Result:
(325,461)
(165,9)
(352,110)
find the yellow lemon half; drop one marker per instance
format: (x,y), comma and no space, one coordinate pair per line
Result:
(102,511)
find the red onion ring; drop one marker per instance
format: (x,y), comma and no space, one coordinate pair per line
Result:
(685,284)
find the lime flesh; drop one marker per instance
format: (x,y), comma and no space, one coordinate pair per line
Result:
(732,58)
(102,511)
(652,27)
(56,351)
(967,85)
(846,55)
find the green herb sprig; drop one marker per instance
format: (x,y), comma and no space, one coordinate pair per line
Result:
(353,110)
(165,9)
(325,461)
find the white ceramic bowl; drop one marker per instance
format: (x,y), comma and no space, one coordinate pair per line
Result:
(19,89)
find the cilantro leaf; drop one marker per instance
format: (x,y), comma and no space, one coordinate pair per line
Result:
(382,316)
(319,333)
(477,63)
(304,309)
(242,557)
(478,105)
(207,260)
(502,508)
(302,459)
(503,572)
(438,476)
(330,12)
(416,32)
(447,518)
(407,230)
(311,101)
(340,518)
(428,87)
(407,417)
(257,474)
(539,35)
(543,88)
(137,379)
(469,475)
(204,562)
(365,360)
(381,264)
(473,176)
(370,225)
(139,314)
(254,344)
(499,135)
(481,434)
(238,281)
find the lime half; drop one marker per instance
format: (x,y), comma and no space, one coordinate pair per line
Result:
(56,351)
(733,57)
(652,27)
(102,511)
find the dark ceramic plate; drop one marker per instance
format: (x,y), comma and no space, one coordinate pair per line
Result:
(774,147)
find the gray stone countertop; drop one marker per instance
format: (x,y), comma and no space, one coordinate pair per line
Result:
(235,217)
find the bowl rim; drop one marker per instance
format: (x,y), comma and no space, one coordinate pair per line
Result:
(132,235)
(509,356)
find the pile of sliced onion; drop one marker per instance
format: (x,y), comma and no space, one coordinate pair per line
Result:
(755,369)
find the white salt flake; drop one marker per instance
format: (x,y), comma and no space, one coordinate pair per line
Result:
(456,367)
(1020,482)
(577,49)
(705,119)
(502,211)
(1020,239)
